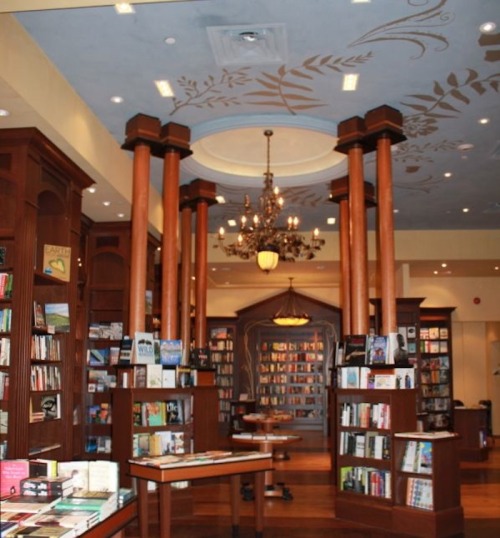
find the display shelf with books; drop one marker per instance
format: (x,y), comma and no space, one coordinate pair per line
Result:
(291,375)
(435,371)
(157,421)
(222,334)
(427,484)
(366,421)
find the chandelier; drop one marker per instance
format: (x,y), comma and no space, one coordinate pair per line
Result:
(259,234)
(288,315)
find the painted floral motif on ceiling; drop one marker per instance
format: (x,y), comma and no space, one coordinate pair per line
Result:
(291,89)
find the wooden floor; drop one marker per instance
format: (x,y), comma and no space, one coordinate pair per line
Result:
(311,511)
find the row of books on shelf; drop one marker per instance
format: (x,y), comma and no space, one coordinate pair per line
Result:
(106,331)
(4,385)
(364,349)
(365,415)
(45,347)
(301,345)
(365,445)
(5,320)
(302,390)
(434,346)
(365,377)
(419,493)
(6,282)
(161,413)
(366,481)
(435,363)
(282,357)
(46,377)
(4,351)
(98,444)
(158,443)
(99,413)
(435,376)
(4,421)
(436,404)
(434,333)
(282,379)
(265,367)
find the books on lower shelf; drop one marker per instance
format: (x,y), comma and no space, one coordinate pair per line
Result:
(366,481)
(419,493)
(161,413)
(158,443)
(376,377)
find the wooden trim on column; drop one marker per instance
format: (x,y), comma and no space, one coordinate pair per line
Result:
(186,232)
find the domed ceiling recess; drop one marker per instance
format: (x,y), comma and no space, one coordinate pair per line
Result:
(232,151)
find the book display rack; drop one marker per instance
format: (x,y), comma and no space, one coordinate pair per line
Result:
(427,485)
(366,421)
(40,196)
(222,334)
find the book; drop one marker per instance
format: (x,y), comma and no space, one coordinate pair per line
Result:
(60,486)
(174,412)
(38,316)
(78,471)
(42,467)
(57,317)
(168,380)
(79,520)
(57,261)
(42,532)
(11,474)
(125,353)
(153,414)
(50,405)
(183,376)
(398,352)
(170,352)
(29,503)
(154,376)
(143,348)
(356,349)
(103,476)
(378,346)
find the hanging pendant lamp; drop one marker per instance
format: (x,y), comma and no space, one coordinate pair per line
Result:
(288,315)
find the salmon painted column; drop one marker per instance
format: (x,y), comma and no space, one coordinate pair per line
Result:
(175,139)
(186,272)
(351,133)
(339,193)
(384,128)
(202,195)
(142,136)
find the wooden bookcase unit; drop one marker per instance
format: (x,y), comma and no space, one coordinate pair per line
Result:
(41,197)
(471,424)
(436,367)
(200,428)
(396,412)
(445,516)
(222,335)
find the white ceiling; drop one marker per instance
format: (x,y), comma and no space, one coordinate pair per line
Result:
(427,59)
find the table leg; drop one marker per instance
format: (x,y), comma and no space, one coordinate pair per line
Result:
(235,504)
(259,504)
(165,498)
(142,502)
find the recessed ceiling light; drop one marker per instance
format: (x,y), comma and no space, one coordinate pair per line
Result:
(497,267)
(436,272)
(465,147)
(360,1)
(465,210)
(220,199)
(444,265)
(124,8)
(484,121)
(213,269)
(487,27)
(164,88)
(116,99)
(91,190)
(120,215)
(395,210)
(447,174)
(331,220)
(170,40)
(350,82)
(231,222)
(4,113)
(106,203)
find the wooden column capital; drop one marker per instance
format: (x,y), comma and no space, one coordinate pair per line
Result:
(175,137)
(383,121)
(339,191)
(197,191)
(143,130)
(351,133)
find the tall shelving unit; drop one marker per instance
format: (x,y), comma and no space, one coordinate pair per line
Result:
(41,196)
(365,487)
(222,335)
(436,367)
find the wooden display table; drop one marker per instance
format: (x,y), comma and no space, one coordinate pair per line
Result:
(266,423)
(167,469)
(267,442)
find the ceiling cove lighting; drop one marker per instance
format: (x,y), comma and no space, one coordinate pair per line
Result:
(289,314)
(259,234)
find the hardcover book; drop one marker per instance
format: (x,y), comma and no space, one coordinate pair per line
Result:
(170,352)
(11,474)
(143,348)
(356,350)
(57,261)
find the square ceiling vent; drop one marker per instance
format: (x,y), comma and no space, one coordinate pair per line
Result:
(248,45)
